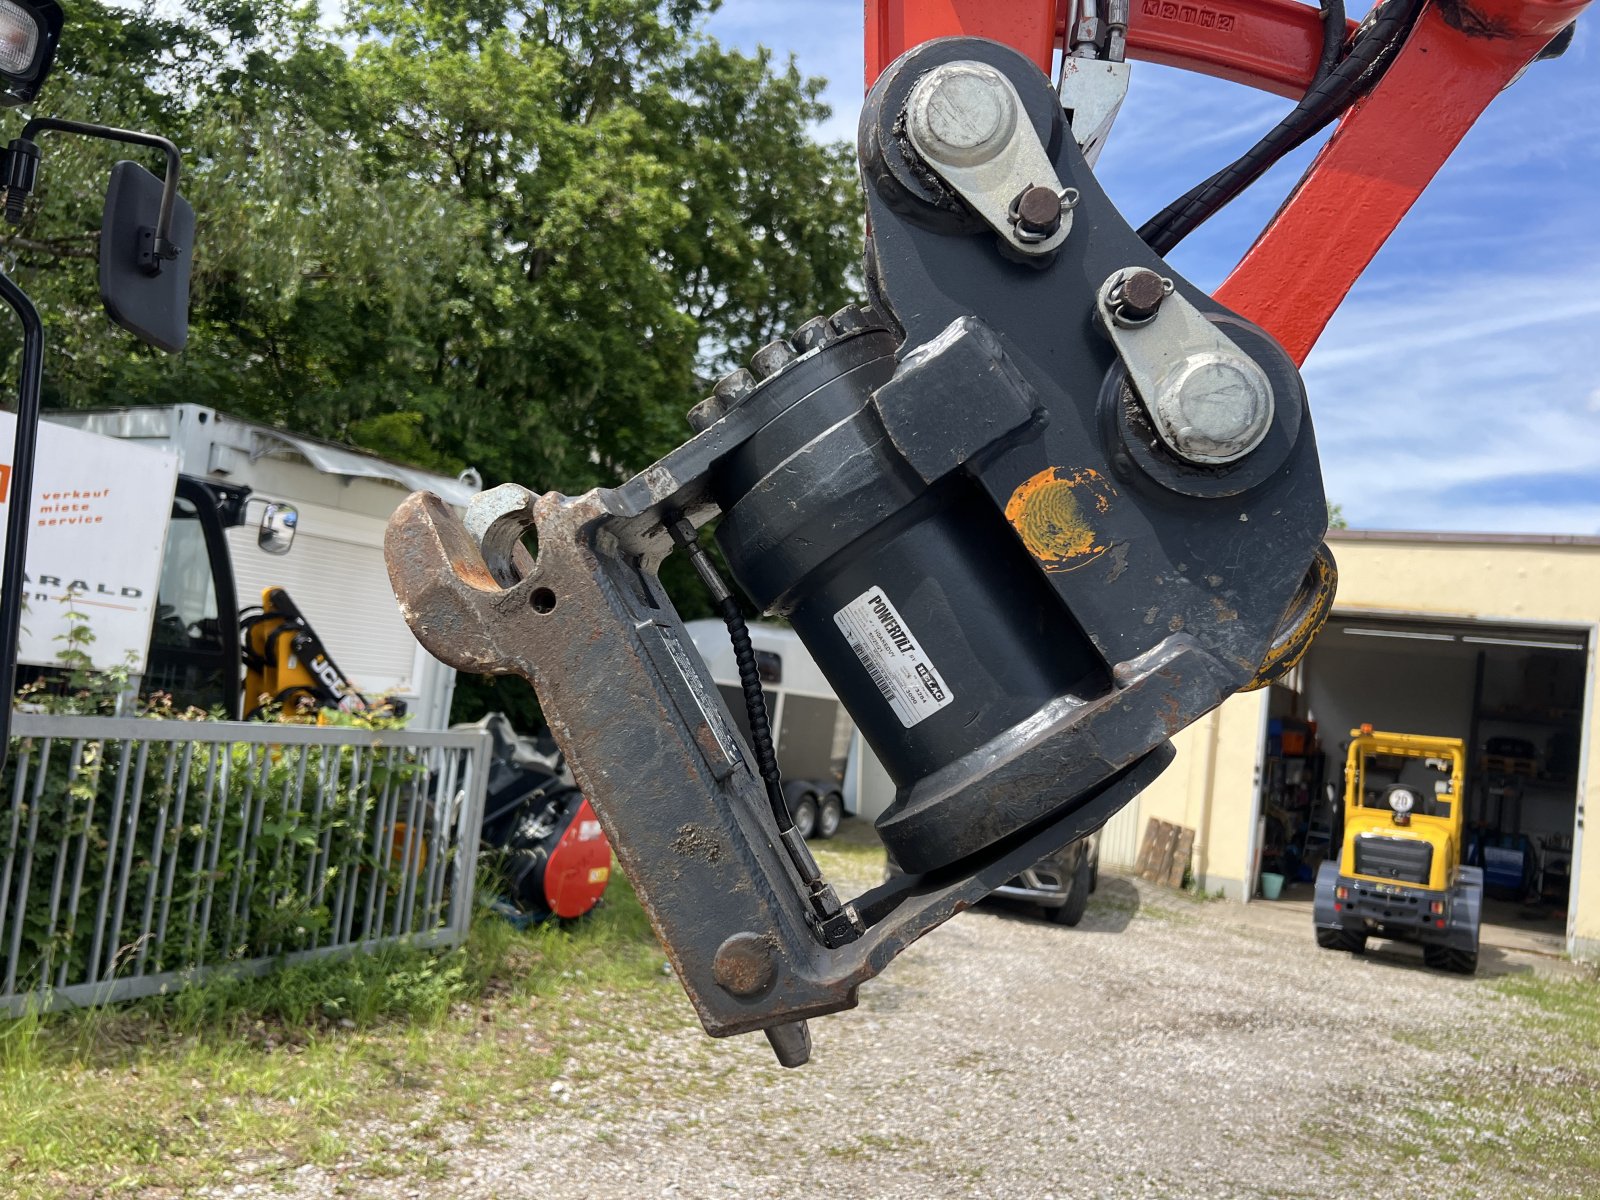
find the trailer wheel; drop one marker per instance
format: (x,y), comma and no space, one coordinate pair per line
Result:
(830,814)
(805,816)
(1342,939)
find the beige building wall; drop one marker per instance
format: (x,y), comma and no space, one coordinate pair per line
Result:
(1210,788)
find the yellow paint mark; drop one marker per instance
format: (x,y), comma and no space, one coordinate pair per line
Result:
(1306,616)
(1054,512)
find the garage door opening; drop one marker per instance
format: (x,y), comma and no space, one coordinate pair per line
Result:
(1513,693)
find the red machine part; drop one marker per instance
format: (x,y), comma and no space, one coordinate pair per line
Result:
(1384,152)
(579,868)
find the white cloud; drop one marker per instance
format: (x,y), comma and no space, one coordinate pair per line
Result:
(1444,410)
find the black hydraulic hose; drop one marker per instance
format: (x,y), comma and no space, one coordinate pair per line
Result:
(744,654)
(21,495)
(837,923)
(1332,14)
(1327,98)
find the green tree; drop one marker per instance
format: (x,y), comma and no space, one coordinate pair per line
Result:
(518,236)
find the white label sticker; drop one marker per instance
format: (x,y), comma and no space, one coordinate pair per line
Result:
(892,657)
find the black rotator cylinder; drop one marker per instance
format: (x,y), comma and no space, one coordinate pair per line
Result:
(916,601)
(969,503)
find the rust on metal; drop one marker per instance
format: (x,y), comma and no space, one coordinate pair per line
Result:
(745,964)
(696,843)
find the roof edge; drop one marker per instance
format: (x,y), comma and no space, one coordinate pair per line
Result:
(1447,538)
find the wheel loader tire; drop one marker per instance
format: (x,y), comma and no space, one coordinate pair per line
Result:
(1443,958)
(1342,939)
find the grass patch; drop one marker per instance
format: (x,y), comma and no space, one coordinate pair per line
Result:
(854,855)
(240,1078)
(1524,1119)
(1560,1005)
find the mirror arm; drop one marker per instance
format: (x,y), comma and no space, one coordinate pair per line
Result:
(22,158)
(20,487)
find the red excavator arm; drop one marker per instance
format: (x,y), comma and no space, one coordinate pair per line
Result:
(1385,151)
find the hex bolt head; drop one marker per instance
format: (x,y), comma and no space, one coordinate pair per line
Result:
(1215,407)
(815,332)
(1139,293)
(744,964)
(850,319)
(771,358)
(734,387)
(961,113)
(1038,211)
(706,414)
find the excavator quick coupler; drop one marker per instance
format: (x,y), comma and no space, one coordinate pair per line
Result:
(1037,507)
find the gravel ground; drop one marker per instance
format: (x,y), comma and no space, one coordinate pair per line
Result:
(1165,1047)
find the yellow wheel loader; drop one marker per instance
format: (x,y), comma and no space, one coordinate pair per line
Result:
(1399,873)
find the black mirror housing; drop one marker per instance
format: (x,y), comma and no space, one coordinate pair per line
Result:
(144,292)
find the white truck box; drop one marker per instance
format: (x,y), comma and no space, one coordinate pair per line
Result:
(335,572)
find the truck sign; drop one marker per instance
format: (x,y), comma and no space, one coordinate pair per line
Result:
(100,513)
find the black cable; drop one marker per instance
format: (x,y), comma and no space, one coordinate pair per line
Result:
(755,707)
(21,495)
(1371,51)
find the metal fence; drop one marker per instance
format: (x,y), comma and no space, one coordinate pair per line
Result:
(138,856)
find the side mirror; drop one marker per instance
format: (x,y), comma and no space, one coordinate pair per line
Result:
(278,524)
(144,291)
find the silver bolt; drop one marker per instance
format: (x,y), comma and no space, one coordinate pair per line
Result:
(1216,407)
(961,113)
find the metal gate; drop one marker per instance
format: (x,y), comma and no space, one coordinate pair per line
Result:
(138,855)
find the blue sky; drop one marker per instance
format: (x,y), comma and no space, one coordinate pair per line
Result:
(1477,408)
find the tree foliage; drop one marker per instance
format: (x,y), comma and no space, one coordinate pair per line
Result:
(516,236)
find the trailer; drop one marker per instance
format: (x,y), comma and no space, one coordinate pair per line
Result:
(820,751)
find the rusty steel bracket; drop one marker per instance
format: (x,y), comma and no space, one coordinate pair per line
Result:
(652,745)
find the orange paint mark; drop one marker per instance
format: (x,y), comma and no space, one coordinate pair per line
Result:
(1054,511)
